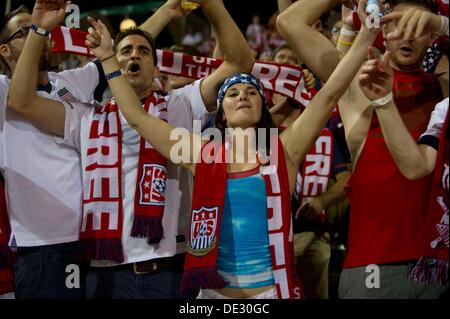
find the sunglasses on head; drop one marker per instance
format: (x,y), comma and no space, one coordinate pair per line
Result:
(21,33)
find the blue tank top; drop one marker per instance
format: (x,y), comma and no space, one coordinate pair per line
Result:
(244,258)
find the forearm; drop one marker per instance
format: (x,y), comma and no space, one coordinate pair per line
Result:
(313,119)
(234,47)
(335,193)
(158,21)
(346,38)
(314,49)
(154,130)
(25,77)
(347,68)
(280,112)
(407,154)
(130,105)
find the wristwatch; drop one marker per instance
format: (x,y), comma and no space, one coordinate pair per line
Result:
(40,31)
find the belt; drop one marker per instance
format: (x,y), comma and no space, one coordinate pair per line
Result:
(175,263)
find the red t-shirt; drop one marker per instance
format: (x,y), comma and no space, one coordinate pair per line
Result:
(388,211)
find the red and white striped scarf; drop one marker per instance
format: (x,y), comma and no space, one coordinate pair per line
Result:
(200,269)
(315,174)
(283,79)
(102,223)
(433,265)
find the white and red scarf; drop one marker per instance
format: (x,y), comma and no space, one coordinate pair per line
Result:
(102,222)
(433,265)
(283,79)
(200,270)
(314,177)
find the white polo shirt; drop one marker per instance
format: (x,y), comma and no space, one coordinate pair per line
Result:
(184,105)
(43,178)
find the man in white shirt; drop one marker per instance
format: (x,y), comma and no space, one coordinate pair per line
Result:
(144,270)
(43,180)
(43,177)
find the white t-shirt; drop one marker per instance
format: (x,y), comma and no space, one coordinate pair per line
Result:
(43,178)
(435,125)
(184,105)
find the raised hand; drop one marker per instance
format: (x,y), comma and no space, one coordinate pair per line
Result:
(47,14)
(174,9)
(375,26)
(99,39)
(347,15)
(376,78)
(310,80)
(413,23)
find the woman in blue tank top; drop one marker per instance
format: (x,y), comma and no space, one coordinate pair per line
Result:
(245,255)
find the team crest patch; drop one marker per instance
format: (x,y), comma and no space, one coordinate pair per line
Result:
(152,187)
(203,231)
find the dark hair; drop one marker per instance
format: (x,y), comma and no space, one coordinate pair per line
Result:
(283,47)
(4,32)
(428,4)
(187,49)
(265,122)
(122,35)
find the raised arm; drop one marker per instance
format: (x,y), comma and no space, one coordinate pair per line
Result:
(313,48)
(152,129)
(299,137)
(376,80)
(237,54)
(22,98)
(159,20)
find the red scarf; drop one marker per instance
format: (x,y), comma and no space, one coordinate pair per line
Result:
(315,171)
(315,174)
(283,79)
(200,270)
(433,266)
(101,230)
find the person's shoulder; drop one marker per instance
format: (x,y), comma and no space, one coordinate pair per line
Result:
(442,105)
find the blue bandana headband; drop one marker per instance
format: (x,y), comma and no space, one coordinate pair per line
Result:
(240,78)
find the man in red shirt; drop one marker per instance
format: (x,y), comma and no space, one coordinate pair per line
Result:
(387,217)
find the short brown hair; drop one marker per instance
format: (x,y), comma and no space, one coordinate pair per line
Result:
(122,35)
(5,33)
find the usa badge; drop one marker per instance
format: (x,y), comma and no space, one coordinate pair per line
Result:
(152,186)
(203,230)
